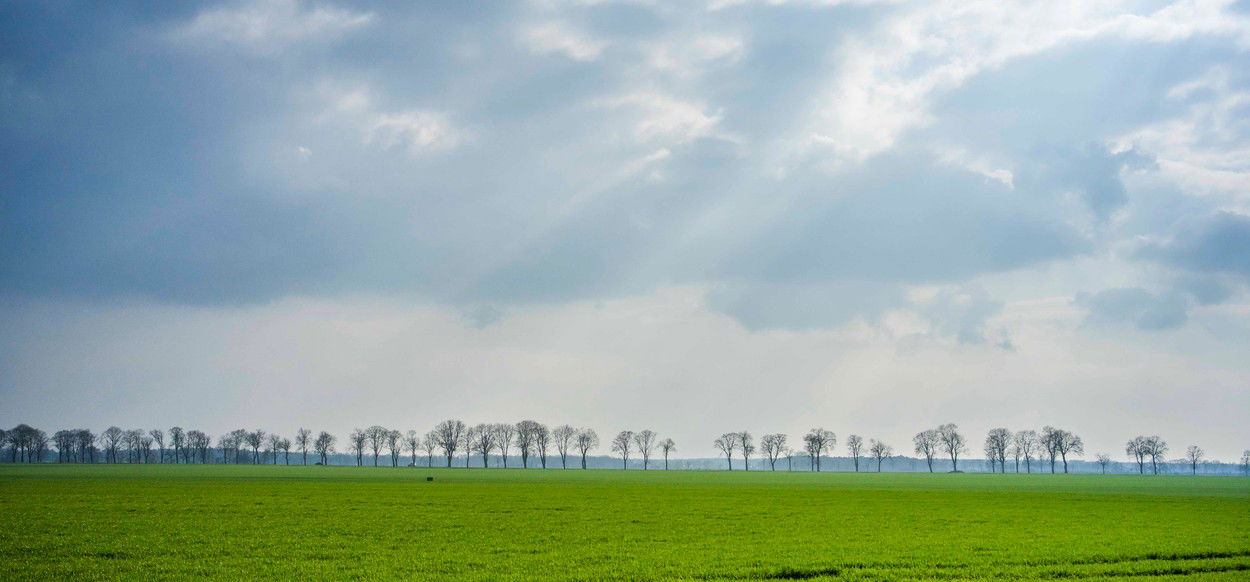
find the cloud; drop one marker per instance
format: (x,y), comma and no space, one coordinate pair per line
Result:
(493,177)
(267,27)
(1136,306)
(962,314)
(659,117)
(414,131)
(1216,244)
(922,222)
(763,306)
(559,38)
(888,76)
(693,55)
(1205,148)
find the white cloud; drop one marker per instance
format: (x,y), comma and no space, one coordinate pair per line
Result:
(722,4)
(415,131)
(960,157)
(557,37)
(689,55)
(269,26)
(1207,149)
(887,77)
(664,118)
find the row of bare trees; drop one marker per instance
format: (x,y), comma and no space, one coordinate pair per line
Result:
(529,439)
(536,443)
(1052,445)
(177,445)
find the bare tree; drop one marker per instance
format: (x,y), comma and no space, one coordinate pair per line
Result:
(448,434)
(143,440)
(773,446)
(997,441)
(25,443)
(274,445)
(63,440)
(927,442)
(855,446)
(789,454)
(134,445)
(285,445)
(86,446)
(177,437)
(467,441)
(563,436)
(542,441)
(1155,449)
(39,445)
(1051,440)
(1136,449)
(644,442)
(1065,443)
(526,432)
(879,451)
(158,435)
(817,441)
(413,441)
(1194,455)
(395,445)
(952,442)
(990,454)
(505,433)
(1245,462)
(254,440)
(236,442)
(377,439)
(484,442)
(111,438)
(301,440)
(727,443)
(586,440)
(429,444)
(356,440)
(324,445)
(668,447)
(1103,461)
(621,444)
(746,444)
(199,443)
(1024,445)
(227,442)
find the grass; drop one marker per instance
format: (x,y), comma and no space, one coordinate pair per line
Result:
(236,522)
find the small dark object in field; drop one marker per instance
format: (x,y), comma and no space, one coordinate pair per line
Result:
(429,479)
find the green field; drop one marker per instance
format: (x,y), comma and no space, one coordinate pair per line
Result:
(164,521)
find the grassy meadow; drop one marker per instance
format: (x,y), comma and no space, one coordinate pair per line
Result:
(277,522)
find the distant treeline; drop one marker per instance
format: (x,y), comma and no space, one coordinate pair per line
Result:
(528,443)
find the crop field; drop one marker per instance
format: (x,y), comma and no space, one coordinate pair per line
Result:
(276,522)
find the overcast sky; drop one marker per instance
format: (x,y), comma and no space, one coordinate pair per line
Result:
(693,217)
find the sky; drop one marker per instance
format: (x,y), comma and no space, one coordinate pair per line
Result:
(693,217)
